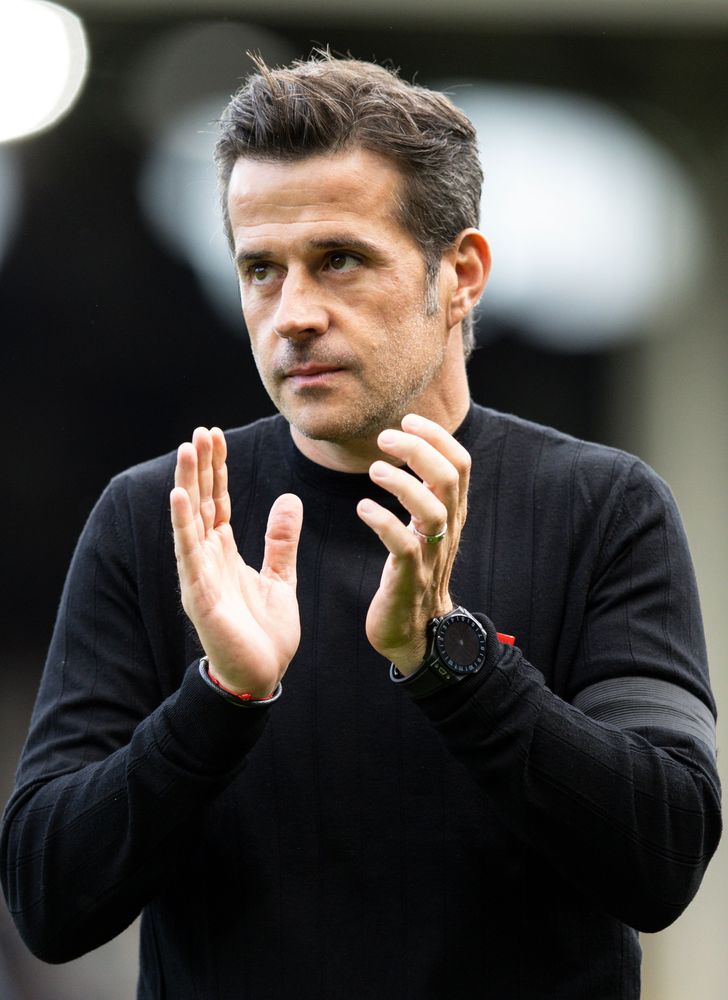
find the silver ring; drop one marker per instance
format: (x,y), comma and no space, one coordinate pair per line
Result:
(430,539)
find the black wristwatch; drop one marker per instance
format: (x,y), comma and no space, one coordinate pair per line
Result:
(456,650)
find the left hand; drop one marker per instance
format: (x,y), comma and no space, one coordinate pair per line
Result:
(415,584)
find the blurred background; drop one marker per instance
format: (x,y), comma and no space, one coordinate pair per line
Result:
(604,133)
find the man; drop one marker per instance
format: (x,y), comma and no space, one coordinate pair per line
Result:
(343,781)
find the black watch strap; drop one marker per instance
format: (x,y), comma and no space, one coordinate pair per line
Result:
(421,683)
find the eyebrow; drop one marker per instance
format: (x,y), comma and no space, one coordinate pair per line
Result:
(335,242)
(345,242)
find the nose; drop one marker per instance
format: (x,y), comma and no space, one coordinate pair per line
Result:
(301,311)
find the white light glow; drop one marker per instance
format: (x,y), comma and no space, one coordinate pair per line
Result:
(43,63)
(178,190)
(597,234)
(10,199)
(179,92)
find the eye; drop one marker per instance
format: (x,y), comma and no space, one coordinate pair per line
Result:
(260,273)
(340,261)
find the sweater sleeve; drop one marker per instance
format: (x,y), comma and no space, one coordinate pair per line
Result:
(614,785)
(113,775)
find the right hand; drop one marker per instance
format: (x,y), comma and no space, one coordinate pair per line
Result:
(247,622)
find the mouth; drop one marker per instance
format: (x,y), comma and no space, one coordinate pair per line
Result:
(312,374)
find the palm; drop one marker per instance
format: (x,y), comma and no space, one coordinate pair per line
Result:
(238,613)
(390,624)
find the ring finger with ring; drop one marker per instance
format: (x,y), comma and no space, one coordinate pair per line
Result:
(424,507)
(433,539)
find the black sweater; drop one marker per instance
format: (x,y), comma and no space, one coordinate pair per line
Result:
(499,840)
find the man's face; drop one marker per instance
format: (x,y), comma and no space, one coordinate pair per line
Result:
(334,293)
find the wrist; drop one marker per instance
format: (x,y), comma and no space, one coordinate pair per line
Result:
(409,659)
(410,662)
(457,648)
(237,695)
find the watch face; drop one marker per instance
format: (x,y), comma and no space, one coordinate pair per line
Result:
(461,644)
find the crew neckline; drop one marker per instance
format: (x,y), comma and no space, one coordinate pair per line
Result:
(337,481)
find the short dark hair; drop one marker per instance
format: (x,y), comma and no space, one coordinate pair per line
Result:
(326,104)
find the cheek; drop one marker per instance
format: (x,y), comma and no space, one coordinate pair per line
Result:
(402,317)
(260,346)
(256,339)
(254,314)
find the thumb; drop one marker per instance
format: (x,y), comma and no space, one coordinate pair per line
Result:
(281,538)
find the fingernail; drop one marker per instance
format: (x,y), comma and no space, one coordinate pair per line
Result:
(413,421)
(387,438)
(381,470)
(366,507)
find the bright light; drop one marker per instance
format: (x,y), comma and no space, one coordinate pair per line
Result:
(596,232)
(178,94)
(10,198)
(43,62)
(178,190)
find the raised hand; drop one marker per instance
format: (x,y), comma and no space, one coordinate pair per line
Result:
(415,583)
(247,621)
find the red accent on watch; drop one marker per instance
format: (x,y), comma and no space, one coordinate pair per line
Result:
(507,640)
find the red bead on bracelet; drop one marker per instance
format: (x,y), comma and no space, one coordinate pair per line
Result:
(244,696)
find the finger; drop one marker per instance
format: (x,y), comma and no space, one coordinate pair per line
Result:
(441,467)
(185,474)
(202,440)
(438,437)
(400,542)
(220,494)
(438,475)
(431,453)
(428,513)
(281,538)
(186,539)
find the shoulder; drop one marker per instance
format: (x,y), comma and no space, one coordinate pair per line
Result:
(545,454)
(572,484)
(242,442)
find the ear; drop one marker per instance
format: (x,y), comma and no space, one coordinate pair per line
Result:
(470,260)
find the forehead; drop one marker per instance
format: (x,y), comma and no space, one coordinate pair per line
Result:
(356,190)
